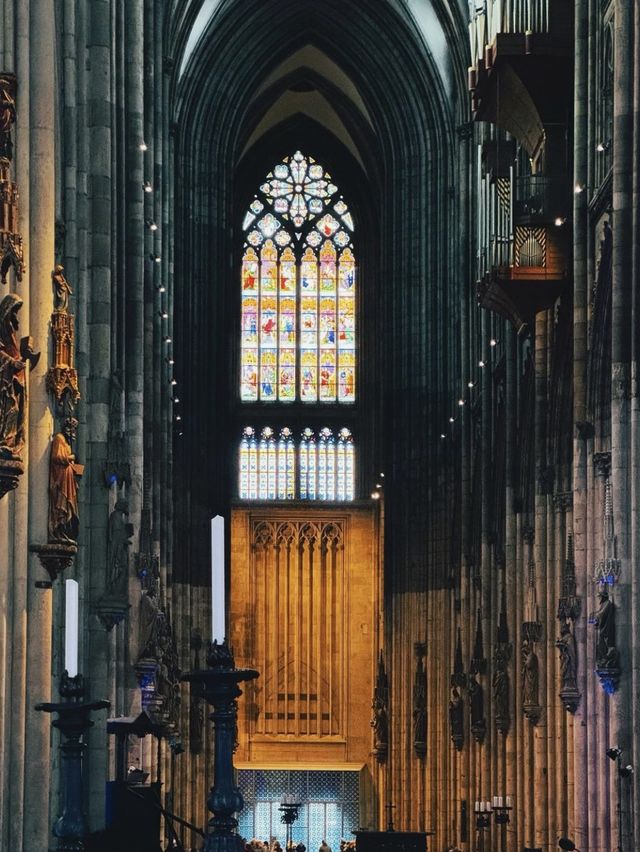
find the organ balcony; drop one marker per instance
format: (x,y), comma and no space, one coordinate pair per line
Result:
(523,244)
(521,73)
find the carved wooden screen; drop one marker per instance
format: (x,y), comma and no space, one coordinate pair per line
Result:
(297,581)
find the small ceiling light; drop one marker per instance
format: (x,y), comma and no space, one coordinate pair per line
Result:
(167,340)
(176,399)
(378,485)
(375,495)
(480,363)
(578,188)
(382,475)
(178,417)
(147,186)
(157,258)
(151,225)
(559,221)
(174,382)
(164,315)
(601,147)
(171,361)
(469,384)
(143,146)
(493,342)
(442,435)
(452,420)
(162,289)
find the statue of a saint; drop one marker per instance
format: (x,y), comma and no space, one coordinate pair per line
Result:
(7,119)
(604,619)
(530,673)
(148,624)
(14,357)
(456,717)
(63,485)
(61,290)
(566,644)
(119,534)
(476,699)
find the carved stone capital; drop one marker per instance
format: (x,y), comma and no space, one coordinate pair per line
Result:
(602,464)
(532,712)
(570,697)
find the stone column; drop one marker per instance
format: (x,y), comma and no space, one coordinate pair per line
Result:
(578,824)
(41,238)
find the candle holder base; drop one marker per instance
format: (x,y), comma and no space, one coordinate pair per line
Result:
(219,686)
(73,721)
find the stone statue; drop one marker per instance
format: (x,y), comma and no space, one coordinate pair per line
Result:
(566,644)
(7,119)
(476,701)
(456,718)
(14,357)
(63,485)
(530,673)
(61,290)
(119,534)
(419,710)
(149,615)
(380,721)
(500,686)
(604,619)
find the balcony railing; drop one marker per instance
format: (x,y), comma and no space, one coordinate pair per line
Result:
(514,214)
(491,17)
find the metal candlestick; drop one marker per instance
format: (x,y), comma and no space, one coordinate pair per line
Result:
(289,811)
(483,821)
(501,813)
(73,722)
(219,685)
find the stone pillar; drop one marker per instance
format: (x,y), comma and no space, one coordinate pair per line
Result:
(41,239)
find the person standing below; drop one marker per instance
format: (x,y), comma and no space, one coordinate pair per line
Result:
(324,847)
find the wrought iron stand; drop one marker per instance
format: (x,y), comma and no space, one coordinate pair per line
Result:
(220,688)
(73,722)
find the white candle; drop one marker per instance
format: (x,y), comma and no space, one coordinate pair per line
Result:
(481,807)
(218,632)
(71,628)
(499,801)
(508,801)
(476,807)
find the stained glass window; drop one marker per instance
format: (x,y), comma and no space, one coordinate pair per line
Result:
(298,289)
(325,465)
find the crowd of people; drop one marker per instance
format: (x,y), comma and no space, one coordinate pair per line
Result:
(273,845)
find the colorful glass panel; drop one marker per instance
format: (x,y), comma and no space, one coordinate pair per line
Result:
(346,327)
(268,468)
(298,294)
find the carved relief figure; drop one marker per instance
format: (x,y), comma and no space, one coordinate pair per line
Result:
(14,357)
(419,709)
(63,485)
(119,534)
(500,684)
(380,721)
(7,118)
(476,700)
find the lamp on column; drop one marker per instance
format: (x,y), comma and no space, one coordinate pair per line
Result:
(567,844)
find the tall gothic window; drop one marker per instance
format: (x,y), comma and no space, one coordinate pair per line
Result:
(298,333)
(298,289)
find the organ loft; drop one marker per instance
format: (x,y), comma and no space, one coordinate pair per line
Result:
(319,341)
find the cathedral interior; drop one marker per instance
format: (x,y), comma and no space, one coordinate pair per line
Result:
(319,361)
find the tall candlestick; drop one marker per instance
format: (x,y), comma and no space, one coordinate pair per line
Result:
(217,580)
(71,628)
